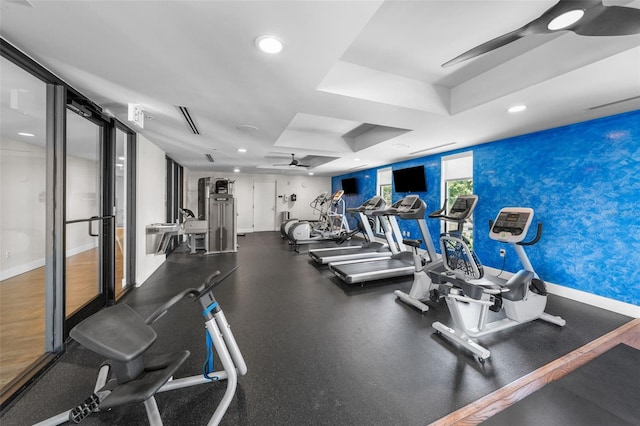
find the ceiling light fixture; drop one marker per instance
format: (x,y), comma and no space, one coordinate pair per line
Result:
(517,108)
(269,44)
(246,128)
(310,173)
(26,134)
(242,150)
(236,170)
(565,20)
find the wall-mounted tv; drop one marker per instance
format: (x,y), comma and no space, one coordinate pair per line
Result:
(411,179)
(350,185)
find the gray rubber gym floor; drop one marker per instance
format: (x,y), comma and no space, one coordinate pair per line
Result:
(318,352)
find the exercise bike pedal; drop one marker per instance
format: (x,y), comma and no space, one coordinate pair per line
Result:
(497,304)
(82,411)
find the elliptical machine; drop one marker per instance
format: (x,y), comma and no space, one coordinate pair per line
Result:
(470,294)
(318,205)
(332,224)
(424,286)
(123,337)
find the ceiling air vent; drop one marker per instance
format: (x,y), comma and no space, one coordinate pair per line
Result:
(209,158)
(614,103)
(431,148)
(188,118)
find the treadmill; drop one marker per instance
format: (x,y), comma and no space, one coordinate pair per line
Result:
(397,265)
(369,250)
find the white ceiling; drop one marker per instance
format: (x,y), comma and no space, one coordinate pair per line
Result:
(358,84)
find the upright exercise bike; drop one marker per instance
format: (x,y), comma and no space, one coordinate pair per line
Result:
(424,287)
(123,337)
(470,294)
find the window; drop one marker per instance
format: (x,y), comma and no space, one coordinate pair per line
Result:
(454,188)
(457,179)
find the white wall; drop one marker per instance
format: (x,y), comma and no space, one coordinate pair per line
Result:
(22,207)
(150,203)
(305,187)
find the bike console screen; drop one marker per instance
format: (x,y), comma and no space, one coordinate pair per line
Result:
(512,224)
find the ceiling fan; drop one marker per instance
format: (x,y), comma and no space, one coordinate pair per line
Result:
(293,163)
(583,17)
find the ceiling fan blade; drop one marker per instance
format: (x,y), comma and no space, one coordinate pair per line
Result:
(593,10)
(497,42)
(303,165)
(611,21)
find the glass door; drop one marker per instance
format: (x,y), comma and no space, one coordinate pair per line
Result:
(121,184)
(84,232)
(23,231)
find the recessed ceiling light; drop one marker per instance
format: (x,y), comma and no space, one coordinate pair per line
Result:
(246,127)
(269,44)
(517,108)
(310,173)
(26,134)
(236,170)
(356,159)
(242,149)
(566,19)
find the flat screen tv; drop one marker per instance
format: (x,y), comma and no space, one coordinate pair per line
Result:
(411,179)
(350,185)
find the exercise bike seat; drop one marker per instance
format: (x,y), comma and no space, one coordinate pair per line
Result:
(116,332)
(119,334)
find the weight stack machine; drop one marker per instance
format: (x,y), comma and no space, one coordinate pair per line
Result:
(217,206)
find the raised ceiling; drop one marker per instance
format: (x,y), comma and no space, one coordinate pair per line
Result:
(358,84)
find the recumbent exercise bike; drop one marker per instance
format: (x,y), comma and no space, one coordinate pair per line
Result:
(470,294)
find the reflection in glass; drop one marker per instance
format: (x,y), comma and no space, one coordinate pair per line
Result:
(82,282)
(121,210)
(22,221)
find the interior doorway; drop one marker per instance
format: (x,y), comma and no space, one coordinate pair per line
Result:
(264,206)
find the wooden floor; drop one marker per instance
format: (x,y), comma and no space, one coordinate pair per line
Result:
(22,310)
(506,396)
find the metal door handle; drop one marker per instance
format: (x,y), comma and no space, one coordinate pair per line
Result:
(89,226)
(89,221)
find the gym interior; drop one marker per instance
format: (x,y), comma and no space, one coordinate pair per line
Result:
(364,246)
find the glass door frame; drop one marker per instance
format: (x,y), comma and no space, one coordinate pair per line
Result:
(130,238)
(106,191)
(58,95)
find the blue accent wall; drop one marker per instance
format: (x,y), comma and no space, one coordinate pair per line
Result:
(582,180)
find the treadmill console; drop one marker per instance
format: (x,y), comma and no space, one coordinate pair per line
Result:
(463,206)
(512,224)
(411,207)
(407,203)
(376,203)
(369,206)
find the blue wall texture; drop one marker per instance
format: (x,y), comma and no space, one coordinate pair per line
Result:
(582,180)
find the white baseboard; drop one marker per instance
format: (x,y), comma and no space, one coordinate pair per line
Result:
(21,269)
(583,297)
(39,263)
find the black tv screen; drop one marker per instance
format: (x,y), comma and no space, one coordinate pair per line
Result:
(411,179)
(350,186)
